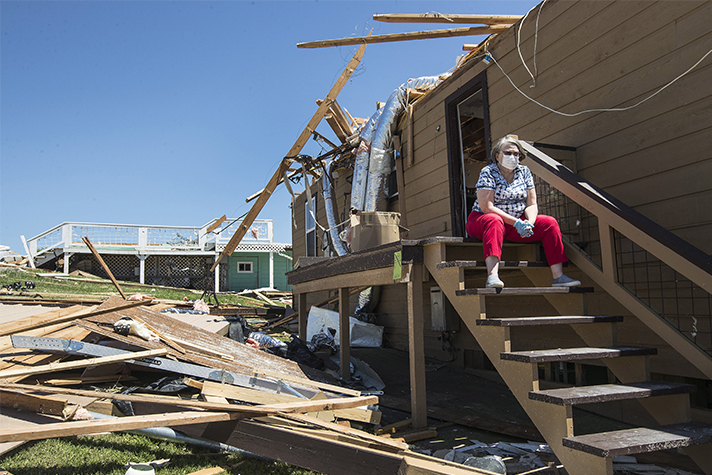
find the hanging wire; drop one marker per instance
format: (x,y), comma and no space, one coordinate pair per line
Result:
(536,39)
(615,109)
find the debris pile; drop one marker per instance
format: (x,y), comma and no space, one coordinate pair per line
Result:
(180,381)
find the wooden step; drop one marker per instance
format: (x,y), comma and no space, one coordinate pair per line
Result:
(525,291)
(609,392)
(641,440)
(482,264)
(576,354)
(554,320)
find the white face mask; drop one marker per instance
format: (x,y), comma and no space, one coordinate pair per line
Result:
(510,162)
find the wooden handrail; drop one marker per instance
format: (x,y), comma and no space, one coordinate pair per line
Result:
(666,246)
(653,238)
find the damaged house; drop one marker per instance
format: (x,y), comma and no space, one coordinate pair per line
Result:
(178,256)
(612,102)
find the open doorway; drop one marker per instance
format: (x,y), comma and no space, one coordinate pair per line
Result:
(468,146)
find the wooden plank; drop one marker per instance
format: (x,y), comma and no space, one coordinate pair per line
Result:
(609,392)
(369,259)
(341,118)
(381,276)
(52,367)
(553,320)
(576,354)
(344,335)
(255,396)
(386,443)
(306,406)
(641,440)
(525,291)
(103,265)
(51,317)
(296,148)
(217,223)
(414,35)
(73,428)
(447,18)
(419,408)
(33,403)
(209,471)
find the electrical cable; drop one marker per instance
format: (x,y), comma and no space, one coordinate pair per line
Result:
(536,39)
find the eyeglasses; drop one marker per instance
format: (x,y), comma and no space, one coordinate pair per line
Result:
(510,154)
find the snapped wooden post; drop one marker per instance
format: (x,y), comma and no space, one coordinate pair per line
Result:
(286,162)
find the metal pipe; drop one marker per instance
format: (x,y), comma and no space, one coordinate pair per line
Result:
(166,433)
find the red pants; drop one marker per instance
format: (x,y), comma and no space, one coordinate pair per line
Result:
(492,229)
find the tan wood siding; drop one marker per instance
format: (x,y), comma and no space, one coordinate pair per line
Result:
(597,60)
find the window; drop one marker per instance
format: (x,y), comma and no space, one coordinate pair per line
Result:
(244,267)
(310,227)
(469,142)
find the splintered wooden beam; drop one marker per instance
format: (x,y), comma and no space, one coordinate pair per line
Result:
(60,316)
(338,122)
(52,367)
(217,223)
(33,403)
(414,35)
(66,429)
(103,264)
(445,18)
(296,148)
(251,411)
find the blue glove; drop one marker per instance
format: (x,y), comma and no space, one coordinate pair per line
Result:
(525,229)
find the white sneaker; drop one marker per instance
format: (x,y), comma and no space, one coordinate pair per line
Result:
(493,282)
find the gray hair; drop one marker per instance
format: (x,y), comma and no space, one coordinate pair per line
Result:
(499,145)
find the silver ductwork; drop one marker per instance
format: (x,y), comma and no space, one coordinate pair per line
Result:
(359,180)
(381,163)
(330,207)
(381,157)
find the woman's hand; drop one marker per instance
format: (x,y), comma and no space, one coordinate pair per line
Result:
(524,228)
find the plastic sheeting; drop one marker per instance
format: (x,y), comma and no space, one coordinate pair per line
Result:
(361,334)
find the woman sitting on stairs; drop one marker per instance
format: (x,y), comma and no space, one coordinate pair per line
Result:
(506,208)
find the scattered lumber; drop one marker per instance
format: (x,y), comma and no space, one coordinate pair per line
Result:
(210,388)
(387,444)
(11,373)
(249,411)
(61,316)
(413,35)
(446,18)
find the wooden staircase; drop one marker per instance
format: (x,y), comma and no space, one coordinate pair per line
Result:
(551,410)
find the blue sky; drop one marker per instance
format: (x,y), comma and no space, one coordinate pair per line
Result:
(172,113)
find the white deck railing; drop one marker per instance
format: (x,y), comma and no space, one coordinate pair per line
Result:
(139,238)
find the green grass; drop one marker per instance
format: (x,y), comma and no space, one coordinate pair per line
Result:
(100,288)
(108,454)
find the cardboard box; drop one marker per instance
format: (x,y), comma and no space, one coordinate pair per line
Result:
(371,229)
